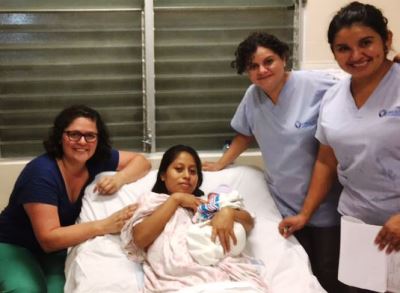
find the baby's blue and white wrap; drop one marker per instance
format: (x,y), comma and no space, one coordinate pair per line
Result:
(199,243)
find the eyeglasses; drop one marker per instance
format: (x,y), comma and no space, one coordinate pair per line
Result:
(76,136)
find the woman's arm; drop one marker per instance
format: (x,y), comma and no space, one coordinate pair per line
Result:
(322,179)
(239,144)
(131,167)
(222,225)
(151,227)
(243,217)
(52,236)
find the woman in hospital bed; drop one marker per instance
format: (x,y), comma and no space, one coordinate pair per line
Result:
(156,235)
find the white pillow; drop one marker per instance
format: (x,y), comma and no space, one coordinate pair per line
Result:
(101,260)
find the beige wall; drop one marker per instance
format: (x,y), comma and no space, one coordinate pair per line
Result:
(9,170)
(317,15)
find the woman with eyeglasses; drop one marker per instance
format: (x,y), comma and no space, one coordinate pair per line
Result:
(38,224)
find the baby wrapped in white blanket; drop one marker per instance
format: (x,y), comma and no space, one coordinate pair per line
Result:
(199,243)
(167,263)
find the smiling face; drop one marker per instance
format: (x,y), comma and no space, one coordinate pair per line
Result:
(360,50)
(267,70)
(181,175)
(79,151)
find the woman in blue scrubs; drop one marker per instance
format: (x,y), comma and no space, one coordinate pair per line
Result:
(280,111)
(358,128)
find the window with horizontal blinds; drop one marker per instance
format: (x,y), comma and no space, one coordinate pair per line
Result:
(197,91)
(55,55)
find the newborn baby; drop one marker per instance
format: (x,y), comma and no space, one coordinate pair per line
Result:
(199,243)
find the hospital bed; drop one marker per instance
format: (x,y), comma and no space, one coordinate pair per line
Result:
(100,265)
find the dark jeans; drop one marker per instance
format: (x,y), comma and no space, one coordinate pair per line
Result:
(322,246)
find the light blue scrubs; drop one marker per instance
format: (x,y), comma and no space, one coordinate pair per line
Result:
(285,134)
(366,142)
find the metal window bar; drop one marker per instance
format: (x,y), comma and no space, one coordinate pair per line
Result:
(185,112)
(50,59)
(196,90)
(149,78)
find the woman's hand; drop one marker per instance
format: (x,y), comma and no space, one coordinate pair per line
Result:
(291,224)
(115,222)
(109,184)
(187,200)
(239,144)
(222,226)
(212,166)
(389,236)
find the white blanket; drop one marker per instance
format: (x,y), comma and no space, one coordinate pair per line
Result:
(99,265)
(167,263)
(198,238)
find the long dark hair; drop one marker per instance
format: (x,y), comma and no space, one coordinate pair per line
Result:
(359,13)
(53,145)
(169,156)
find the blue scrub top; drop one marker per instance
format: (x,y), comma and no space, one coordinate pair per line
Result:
(285,134)
(366,143)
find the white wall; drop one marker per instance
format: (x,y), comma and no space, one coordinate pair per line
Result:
(315,55)
(317,15)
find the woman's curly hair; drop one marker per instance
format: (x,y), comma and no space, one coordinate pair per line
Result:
(246,49)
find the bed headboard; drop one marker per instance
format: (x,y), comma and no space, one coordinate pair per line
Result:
(10,169)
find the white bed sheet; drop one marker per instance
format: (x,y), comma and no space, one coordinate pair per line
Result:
(99,265)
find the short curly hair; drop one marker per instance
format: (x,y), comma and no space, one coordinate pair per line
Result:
(246,49)
(53,145)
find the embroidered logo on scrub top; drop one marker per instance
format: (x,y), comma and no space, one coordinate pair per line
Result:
(306,124)
(390,113)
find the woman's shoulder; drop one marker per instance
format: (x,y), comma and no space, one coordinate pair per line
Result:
(152,196)
(337,93)
(108,164)
(251,90)
(395,70)
(41,170)
(42,163)
(253,95)
(341,85)
(148,201)
(316,77)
